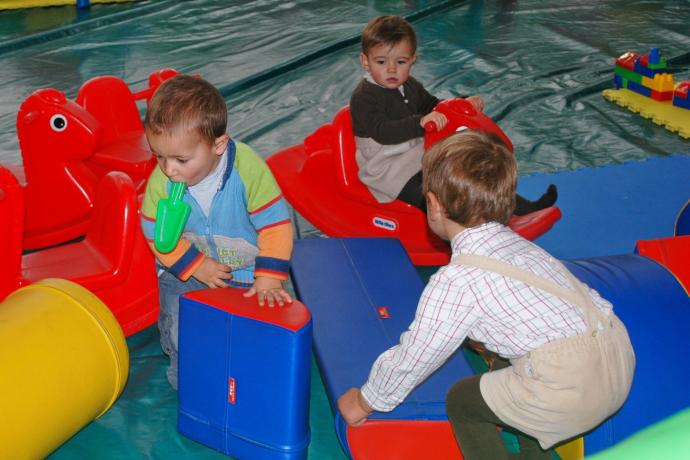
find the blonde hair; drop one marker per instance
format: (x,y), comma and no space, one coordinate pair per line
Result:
(388,30)
(473,176)
(187,104)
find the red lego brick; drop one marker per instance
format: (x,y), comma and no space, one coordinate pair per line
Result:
(627,60)
(682,89)
(661,96)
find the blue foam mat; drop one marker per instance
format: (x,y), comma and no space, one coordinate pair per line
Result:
(343,282)
(607,209)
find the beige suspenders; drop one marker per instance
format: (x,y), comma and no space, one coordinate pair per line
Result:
(578,297)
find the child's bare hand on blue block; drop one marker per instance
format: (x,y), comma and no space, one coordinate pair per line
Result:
(269,290)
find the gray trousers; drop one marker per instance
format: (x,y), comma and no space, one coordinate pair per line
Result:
(171,288)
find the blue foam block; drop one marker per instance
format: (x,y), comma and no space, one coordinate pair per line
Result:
(344,282)
(244,375)
(656,311)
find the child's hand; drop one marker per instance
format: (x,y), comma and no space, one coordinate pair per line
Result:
(488,356)
(353,407)
(476,102)
(476,346)
(212,273)
(437,118)
(269,289)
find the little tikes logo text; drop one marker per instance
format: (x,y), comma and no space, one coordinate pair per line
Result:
(386,224)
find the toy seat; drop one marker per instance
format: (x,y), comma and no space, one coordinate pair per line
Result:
(113,261)
(343,145)
(123,145)
(529,226)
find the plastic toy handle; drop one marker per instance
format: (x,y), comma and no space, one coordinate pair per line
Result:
(171,217)
(177,191)
(430,127)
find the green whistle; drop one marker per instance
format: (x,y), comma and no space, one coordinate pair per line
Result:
(171,217)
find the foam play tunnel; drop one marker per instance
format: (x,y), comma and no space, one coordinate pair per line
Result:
(63,363)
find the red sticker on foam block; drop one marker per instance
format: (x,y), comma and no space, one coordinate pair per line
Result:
(231,390)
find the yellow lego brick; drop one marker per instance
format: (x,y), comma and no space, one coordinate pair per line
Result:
(662,82)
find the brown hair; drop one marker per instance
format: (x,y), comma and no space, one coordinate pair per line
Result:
(188,104)
(388,30)
(473,176)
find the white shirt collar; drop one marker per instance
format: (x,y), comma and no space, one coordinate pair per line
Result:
(204,191)
(465,242)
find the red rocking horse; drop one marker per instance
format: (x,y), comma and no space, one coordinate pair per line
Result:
(69,146)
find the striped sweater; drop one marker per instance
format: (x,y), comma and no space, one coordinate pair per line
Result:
(248,227)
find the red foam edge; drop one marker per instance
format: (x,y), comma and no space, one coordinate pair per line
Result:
(293,316)
(403,440)
(673,253)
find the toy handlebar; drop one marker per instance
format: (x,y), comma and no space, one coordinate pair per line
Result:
(430,127)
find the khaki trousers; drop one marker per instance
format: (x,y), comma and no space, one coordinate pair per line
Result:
(564,388)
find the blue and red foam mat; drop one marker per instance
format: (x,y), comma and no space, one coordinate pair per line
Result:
(363,292)
(319,179)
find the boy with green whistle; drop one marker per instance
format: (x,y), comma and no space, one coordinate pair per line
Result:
(238,232)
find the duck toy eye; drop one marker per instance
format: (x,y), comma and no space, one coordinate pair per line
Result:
(58,123)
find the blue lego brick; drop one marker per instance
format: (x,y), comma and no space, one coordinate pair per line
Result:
(682,102)
(618,81)
(643,90)
(646,71)
(654,56)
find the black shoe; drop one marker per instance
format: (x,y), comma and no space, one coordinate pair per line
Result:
(524,206)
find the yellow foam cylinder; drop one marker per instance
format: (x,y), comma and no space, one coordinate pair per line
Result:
(63,363)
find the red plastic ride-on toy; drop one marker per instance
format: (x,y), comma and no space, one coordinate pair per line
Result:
(68,146)
(319,178)
(113,260)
